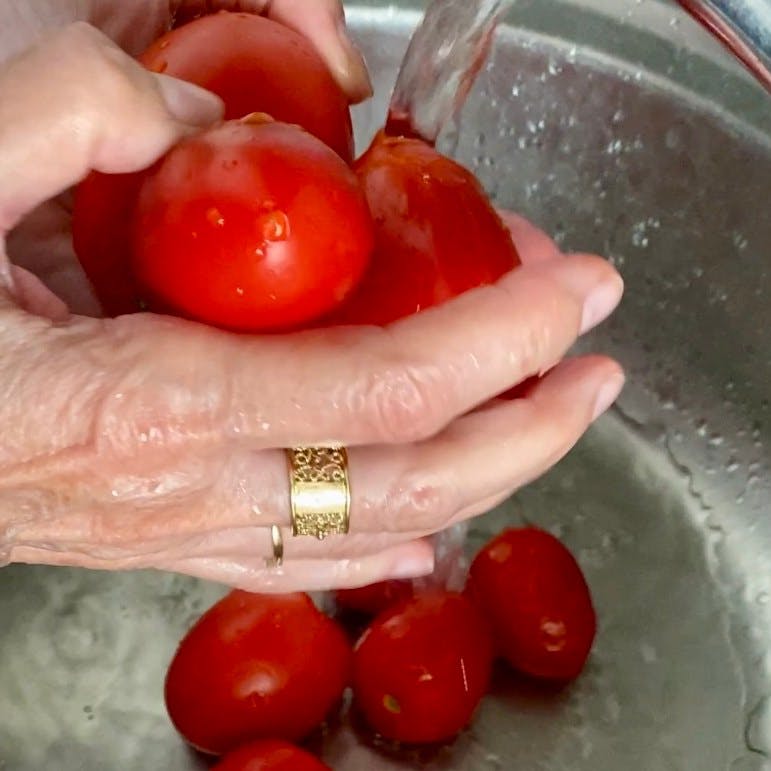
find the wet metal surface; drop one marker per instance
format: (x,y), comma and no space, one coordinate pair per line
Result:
(626,133)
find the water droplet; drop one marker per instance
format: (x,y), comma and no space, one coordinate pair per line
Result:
(240,291)
(649,653)
(214,217)
(274,225)
(164,44)
(672,138)
(162,66)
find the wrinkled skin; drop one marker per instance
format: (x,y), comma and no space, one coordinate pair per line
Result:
(148,441)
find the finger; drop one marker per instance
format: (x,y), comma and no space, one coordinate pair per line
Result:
(407,382)
(35,297)
(76,102)
(325,27)
(321,21)
(533,245)
(422,488)
(407,560)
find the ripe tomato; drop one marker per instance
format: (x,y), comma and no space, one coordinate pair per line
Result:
(101,237)
(422,667)
(270,755)
(374,598)
(535,596)
(436,233)
(256,666)
(257,65)
(250,226)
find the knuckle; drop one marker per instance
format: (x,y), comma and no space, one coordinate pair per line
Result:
(404,404)
(418,502)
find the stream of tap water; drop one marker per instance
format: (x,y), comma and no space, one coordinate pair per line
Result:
(452,42)
(445,55)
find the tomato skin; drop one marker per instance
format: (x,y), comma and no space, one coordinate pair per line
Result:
(101,236)
(422,667)
(374,598)
(537,601)
(250,227)
(270,755)
(256,666)
(436,233)
(257,65)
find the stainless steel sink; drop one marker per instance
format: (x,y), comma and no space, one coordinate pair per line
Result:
(621,127)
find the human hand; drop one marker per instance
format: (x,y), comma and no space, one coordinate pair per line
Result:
(148,441)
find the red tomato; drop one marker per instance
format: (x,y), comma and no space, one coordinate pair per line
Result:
(521,390)
(422,667)
(101,237)
(257,65)
(256,666)
(537,601)
(270,755)
(250,226)
(374,598)
(436,233)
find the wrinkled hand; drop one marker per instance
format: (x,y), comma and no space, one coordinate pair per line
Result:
(148,441)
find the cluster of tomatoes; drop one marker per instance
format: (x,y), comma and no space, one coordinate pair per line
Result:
(258,671)
(266,223)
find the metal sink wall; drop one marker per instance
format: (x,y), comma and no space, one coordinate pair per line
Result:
(622,128)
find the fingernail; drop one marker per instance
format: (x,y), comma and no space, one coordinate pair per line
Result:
(189,103)
(601,302)
(608,394)
(413,566)
(351,69)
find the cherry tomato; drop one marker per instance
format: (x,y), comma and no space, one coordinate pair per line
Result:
(257,65)
(250,226)
(535,596)
(436,233)
(256,666)
(422,667)
(101,237)
(374,598)
(270,755)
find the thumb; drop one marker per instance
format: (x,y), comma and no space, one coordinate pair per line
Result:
(76,102)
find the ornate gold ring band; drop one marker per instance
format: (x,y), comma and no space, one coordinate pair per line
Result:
(319,491)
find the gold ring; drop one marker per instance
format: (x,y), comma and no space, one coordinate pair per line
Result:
(278,548)
(320,495)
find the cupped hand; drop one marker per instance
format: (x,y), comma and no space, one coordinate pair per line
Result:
(148,441)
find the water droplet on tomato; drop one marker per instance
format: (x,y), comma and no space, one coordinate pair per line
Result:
(259,253)
(240,291)
(273,225)
(214,217)
(162,66)
(164,44)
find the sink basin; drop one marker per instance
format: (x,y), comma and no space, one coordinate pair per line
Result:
(622,128)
